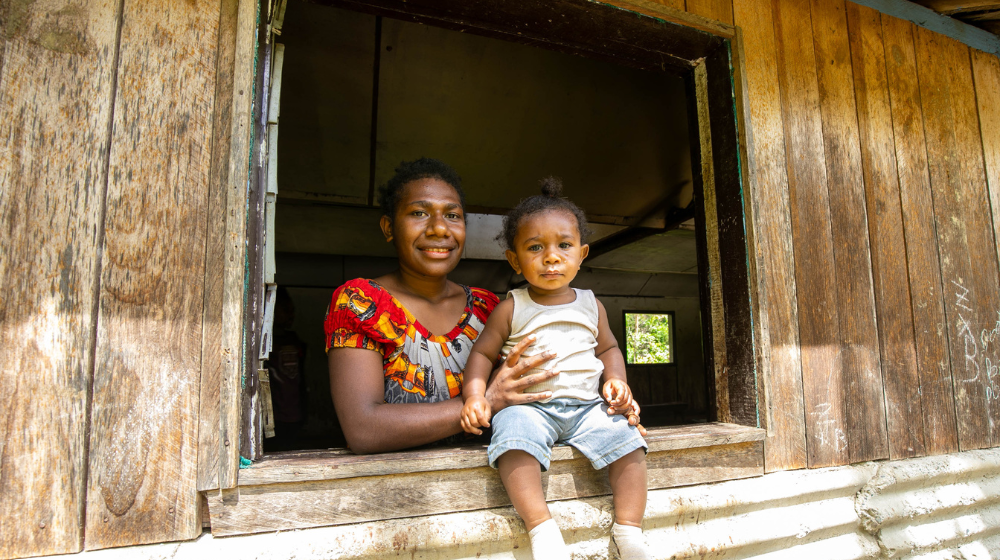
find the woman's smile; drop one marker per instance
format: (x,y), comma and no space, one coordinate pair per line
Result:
(428,228)
(438,252)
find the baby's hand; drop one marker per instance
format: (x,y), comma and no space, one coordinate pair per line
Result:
(476,414)
(618,395)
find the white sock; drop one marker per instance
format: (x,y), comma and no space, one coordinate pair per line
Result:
(547,542)
(631,542)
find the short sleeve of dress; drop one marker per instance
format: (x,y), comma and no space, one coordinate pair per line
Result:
(352,320)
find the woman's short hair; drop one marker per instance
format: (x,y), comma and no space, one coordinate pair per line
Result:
(423,168)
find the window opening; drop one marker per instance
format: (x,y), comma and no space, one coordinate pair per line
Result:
(649,338)
(362,92)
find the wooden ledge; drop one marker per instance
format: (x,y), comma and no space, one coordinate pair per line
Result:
(301,466)
(314,489)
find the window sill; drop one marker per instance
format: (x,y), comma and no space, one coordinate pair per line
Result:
(317,488)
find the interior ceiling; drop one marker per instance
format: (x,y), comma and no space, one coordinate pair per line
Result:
(503,114)
(981,13)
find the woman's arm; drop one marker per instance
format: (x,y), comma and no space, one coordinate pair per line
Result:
(357,385)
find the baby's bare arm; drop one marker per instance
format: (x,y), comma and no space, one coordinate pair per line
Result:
(607,348)
(486,349)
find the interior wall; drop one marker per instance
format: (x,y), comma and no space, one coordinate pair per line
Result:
(503,114)
(312,279)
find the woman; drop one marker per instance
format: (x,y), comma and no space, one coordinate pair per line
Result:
(394,377)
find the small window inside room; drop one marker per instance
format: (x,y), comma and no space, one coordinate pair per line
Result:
(649,338)
(360,93)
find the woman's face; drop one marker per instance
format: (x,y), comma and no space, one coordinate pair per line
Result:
(428,229)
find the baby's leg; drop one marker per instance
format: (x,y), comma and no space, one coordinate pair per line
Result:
(520,448)
(610,441)
(522,477)
(628,484)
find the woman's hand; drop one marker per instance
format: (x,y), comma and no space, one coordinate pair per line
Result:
(507,385)
(476,414)
(619,397)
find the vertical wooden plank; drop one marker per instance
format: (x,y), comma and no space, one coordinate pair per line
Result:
(710,288)
(923,262)
(861,369)
(815,274)
(56,91)
(986,68)
(888,246)
(719,10)
(935,53)
(234,277)
(978,221)
(741,390)
(143,447)
(251,427)
(782,399)
(212,358)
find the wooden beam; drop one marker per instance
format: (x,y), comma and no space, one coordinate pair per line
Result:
(987,77)
(674,218)
(815,273)
(951,7)
(410,484)
(213,359)
(234,287)
(570,26)
(968,268)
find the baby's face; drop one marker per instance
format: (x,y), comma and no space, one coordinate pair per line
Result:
(548,251)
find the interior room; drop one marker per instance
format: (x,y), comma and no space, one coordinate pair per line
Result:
(360,93)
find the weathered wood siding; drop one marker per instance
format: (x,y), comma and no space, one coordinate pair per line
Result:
(874,163)
(109,197)
(144,435)
(887,275)
(57,75)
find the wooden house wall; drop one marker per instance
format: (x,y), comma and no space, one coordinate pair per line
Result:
(874,181)
(116,123)
(874,165)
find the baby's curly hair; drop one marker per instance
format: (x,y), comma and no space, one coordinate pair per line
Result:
(423,168)
(548,200)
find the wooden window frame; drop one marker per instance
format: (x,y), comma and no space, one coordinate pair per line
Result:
(316,488)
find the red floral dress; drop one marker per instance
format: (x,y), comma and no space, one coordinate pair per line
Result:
(418,366)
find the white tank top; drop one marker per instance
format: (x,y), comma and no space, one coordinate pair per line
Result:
(569,330)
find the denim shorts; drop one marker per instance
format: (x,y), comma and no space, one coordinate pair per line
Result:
(535,427)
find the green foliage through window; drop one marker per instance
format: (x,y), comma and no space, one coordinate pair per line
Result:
(648,338)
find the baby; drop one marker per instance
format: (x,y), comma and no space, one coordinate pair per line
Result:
(544,237)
